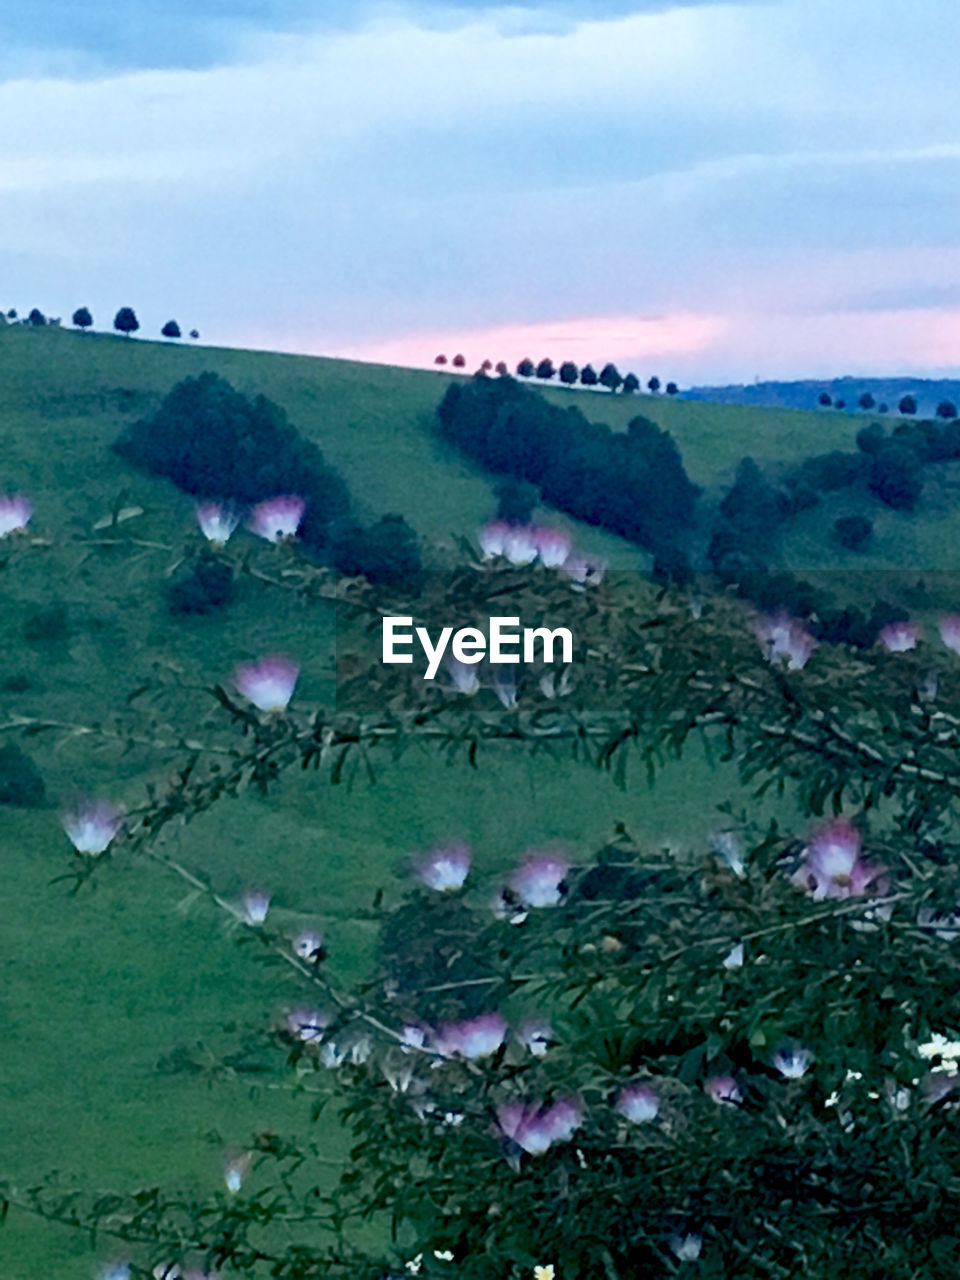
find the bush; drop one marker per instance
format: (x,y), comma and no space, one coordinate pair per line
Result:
(387,552)
(946,409)
(871,439)
(895,477)
(36,318)
(203,587)
(21,782)
(852,532)
(633,484)
(171,329)
(212,441)
(516,501)
(866,401)
(631,384)
(835,470)
(825,399)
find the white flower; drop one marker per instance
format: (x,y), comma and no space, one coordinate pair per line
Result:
(15,513)
(269,683)
(793,1062)
(734,957)
(217,522)
(687,1248)
(256,904)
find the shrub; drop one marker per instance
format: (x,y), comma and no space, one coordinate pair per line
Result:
(171,330)
(825,399)
(946,409)
(516,501)
(672,388)
(631,384)
(387,552)
(653,385)
(203,587)
(36,318)
(835,470)
(895,477)
(21,782)
(501,368)
(852,532)
(215,442)
(866,401)
(871,439)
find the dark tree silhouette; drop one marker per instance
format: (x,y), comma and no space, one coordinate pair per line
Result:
(441,359)
(672,388)
(502,368)
(610,377)
(171,329)
(569,373)
(525,369)
(12,313)
(653,385)
(126,322)
(631,383)
(82,318)
(588,376)
(825,399)
(459,361)
(882,407)
(545,369)
(194,333)
(487,366)
(852,531)
(866,401)
(36,318)
(946,409)
(840,404)
(908,404)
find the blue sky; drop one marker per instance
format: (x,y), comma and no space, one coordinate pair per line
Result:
(709,191)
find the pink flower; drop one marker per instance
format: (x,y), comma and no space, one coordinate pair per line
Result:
(15,513)
(92,825)
(519,546)
(493,539)
(277,518)
(464,676)
(308,945)
(793,1061)
(723,1089)
(564,1118)
(539,880)
(553,546)
(473,1038)
(535,1035)
(584,571)
(269,683)
(638,1103)
(832,867)
(899,637)
(217,522)
(256,904)
(308,1024)
(784,637)
(950,631)
(445,869)
(535,1127)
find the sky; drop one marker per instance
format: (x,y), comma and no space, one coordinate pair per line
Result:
(710,192)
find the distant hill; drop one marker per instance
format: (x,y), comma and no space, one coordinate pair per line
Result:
(804,395)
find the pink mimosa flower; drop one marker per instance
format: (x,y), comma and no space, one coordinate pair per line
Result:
(784,637)
(639,1103)
(493,539)
(519,546)
(445,869)
(217,522)
(832,866)
(92,825)
(723,1089)
(308,1024)
(525,1124)
(15,512)
(950,631)
(256,905)
(584,571)
(277,518)
(473,1038)
(539,880)
(553,546)
(899,637)
(793,1061)
(269,683)
(564,1118)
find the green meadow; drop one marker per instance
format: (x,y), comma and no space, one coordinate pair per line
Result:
(100,989)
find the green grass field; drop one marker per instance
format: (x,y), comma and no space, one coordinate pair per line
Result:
(99,987)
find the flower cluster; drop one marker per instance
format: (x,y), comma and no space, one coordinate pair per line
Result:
(274,519)
(522,544)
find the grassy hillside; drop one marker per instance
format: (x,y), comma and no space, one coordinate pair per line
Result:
(99,988)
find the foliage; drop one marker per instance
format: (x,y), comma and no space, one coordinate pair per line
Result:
(36,318)
(545,369)
(895,477)
(387,552)
(569,373)
(82,318)
(525,369)
(215,442)
(588,376)
(171,330)
(516,501)
(21,782)
(203,586)
(852,532)
(908,404)
(633,484)
(125,321)
(610,377)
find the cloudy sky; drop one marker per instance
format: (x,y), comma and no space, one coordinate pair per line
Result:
(706,191)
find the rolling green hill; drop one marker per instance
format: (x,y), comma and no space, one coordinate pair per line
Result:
(98,989)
